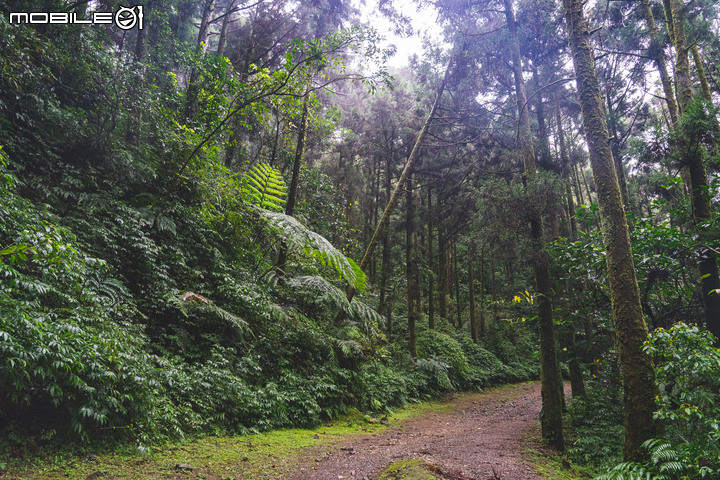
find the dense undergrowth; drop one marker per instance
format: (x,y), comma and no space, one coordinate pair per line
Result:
(143,320)
(688,429)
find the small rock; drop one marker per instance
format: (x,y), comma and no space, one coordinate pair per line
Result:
(316,436)
(184,467)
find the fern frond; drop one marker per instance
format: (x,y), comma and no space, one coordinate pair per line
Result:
(322,290)
(369,316)
(300,239)
(266,187)
(437,369)
(227,317)
(190,302)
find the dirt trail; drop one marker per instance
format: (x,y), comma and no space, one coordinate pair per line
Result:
(481,439)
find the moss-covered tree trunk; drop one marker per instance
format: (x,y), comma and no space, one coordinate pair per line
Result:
(693,158)
(552,393)
(637,369)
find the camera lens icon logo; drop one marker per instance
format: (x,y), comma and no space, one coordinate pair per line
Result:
(129,17)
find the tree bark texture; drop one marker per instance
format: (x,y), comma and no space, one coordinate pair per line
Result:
(637,369)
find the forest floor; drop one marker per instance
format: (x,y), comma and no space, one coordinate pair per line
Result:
(488,435)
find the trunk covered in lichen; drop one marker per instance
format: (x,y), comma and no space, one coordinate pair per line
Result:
(637,368)
(552,393)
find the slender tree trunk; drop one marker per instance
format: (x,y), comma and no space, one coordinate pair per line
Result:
(442,273)
(552,393)
(578,189)
(202,43)
(692,157)
(410,265)
(615,148)
(637,368)
(482,293)
(657,54)
(295,180)
(544,153)
(706,92)
(222,40)
(431,264)
(471,292)
(456,276)
(587,187)
(493,290)
(566,169)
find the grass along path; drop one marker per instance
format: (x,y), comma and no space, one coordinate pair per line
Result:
(463,436)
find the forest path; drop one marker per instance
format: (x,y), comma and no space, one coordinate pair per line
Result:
(482,436)
(466,436)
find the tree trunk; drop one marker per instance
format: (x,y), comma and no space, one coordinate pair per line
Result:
(701,72)
(410,265)
(657,54)
(637,368)
(385,268)
(552,393)
(442,274)
(544,153)
(456,276)
(482,292)
(202,41)
(292,190)
(471,282)
(566,170)
(222,40)
(431,277)
(692,157)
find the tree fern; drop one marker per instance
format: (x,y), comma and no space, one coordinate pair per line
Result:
(322,290)
(266,187)
(300,239)
(325,291)
(190,303)
(665,464)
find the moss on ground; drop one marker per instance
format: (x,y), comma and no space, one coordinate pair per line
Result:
(552,465)
(264,456)
(408,470)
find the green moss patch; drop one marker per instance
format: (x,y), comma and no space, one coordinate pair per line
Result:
(408,470)
(553,465)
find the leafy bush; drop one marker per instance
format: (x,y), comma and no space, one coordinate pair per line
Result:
(447,352)
(688,376)
(597,422)
(485,368)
